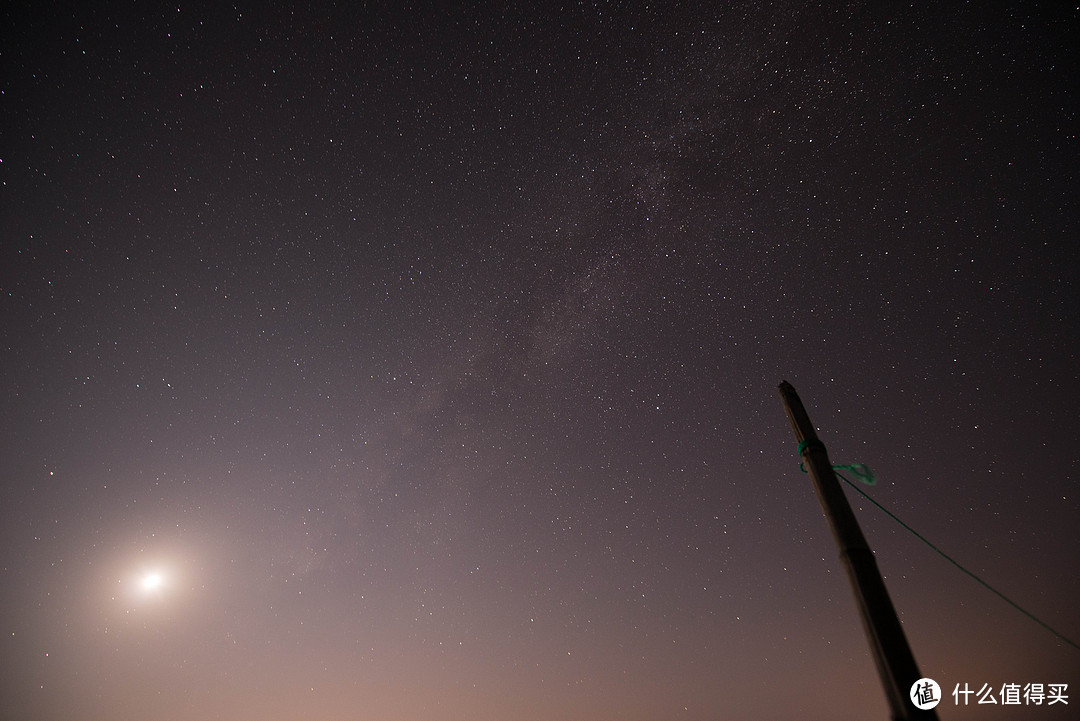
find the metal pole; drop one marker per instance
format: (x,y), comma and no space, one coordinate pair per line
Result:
(892,655)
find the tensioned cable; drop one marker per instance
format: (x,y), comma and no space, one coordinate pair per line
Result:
(867,477)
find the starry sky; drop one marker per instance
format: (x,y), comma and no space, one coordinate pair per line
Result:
(406,361)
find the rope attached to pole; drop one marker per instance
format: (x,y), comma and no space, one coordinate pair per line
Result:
(862,472)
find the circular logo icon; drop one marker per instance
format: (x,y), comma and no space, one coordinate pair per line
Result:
(925,694)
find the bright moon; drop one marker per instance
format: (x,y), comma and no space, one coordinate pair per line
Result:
(152,581)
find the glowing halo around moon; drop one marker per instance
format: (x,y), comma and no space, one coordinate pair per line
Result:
(152,584)
(156,578)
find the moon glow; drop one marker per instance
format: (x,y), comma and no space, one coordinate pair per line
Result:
(152,582)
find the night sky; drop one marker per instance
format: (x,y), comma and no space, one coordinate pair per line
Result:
(407,363)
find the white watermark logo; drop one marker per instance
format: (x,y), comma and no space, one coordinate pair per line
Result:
(925,694)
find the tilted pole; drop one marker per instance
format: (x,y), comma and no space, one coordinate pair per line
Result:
(892,655)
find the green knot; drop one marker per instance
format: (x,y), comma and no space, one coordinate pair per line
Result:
(861,471)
